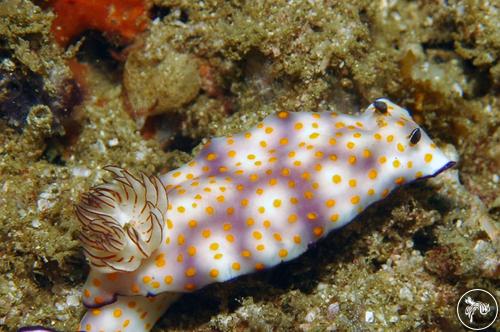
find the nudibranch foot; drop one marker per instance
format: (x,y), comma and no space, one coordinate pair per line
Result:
(127,313)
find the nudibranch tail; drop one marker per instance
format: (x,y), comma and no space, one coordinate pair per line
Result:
(122,221)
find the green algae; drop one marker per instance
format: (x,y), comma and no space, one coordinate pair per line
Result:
(403,262)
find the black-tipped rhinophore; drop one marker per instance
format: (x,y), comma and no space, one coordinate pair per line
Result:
(380,106)
(415,136)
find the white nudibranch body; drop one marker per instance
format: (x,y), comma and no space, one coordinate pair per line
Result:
(244,203)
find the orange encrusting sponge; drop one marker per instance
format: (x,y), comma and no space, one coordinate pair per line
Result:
(124,18)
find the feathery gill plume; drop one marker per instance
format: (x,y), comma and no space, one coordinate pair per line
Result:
(122,221)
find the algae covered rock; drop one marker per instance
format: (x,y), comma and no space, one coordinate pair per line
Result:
(159,80)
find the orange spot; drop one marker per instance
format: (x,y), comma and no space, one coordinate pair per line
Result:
(308,195)
(334,217)
(332,141)
(371,192)
(284,141)
(390,138)
(273,182)
(298,126)
(263,144)
(189,287)
(318,231)
(382,159)
(352,183)
(96,312)
(135,288)
(250,222)
(418,174)
(277,203)
(355,199)
(350,145)
(209,210)
(336,178)
(377,136)
(396,163)
(214,273)
(155,284)
(312,216)
(400,147)
(372,174)
(283,115)
(168,279)
(190,272)
(352,160)
(192,223)
(211,156)
(236,266)
(330,203)
(259,266)
(333,157)
(285,172)
(297,239)
(96,282)
(400,180)
(260,247)
(428,158)
(283,253)
(146,279)
(160,261)
(206,233)
(86,293)
(257,235)
(314,135)
(246,253)
(98,300)
(266,223)
(191,251)
(230,238)
(277,237)
(214,246)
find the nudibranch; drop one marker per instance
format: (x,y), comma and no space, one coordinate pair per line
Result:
(245,203)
